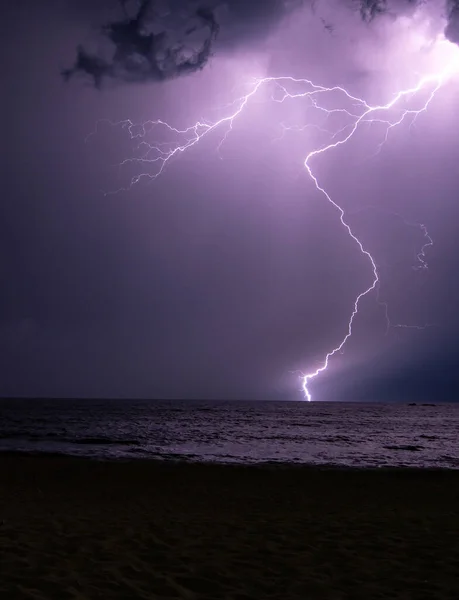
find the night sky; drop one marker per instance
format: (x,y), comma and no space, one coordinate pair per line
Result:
(229,272)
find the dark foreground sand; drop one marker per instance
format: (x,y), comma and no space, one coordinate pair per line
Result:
(81,529)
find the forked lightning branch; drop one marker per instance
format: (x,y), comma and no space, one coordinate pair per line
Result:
(404,106)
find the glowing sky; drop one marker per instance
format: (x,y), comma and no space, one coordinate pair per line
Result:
(229,274)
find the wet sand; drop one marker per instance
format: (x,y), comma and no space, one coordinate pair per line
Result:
(79,529)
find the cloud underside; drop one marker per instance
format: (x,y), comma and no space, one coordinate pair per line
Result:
(165,40)
(452,29)
(142,53)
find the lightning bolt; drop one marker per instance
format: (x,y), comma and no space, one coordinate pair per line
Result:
(157,155)
(420,263)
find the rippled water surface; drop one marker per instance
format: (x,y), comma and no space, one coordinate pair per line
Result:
(238,432)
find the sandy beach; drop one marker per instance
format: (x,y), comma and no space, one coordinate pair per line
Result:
(80,529)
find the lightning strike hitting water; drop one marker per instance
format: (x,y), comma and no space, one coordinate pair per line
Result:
(360,113)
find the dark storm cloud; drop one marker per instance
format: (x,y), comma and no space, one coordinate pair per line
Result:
(371,9)
(162,41)
(158,40)
(144,49)
(452,29)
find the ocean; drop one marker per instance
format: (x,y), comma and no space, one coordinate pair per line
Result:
(327,434)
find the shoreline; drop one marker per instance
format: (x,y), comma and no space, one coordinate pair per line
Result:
(184,461)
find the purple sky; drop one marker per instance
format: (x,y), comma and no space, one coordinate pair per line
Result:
(229,271)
